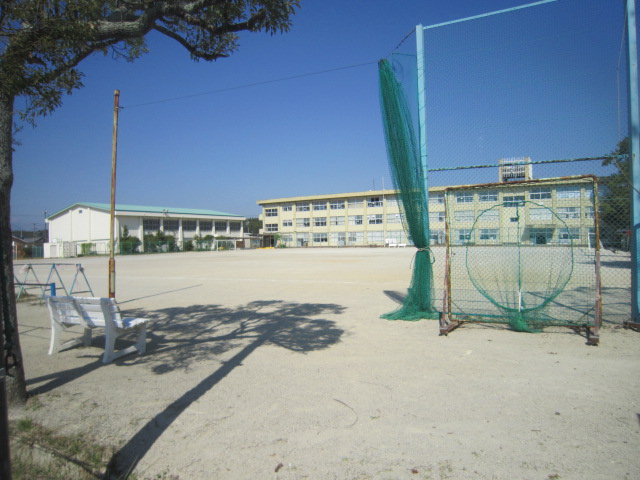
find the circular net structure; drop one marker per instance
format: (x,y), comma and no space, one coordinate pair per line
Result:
(518,268)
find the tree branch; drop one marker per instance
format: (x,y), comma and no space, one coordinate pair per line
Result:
(190,48)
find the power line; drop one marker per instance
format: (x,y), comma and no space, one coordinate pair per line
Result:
(248,85)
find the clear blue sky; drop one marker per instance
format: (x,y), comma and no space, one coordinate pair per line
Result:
(319,134)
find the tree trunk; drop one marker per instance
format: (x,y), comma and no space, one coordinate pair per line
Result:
(15,383)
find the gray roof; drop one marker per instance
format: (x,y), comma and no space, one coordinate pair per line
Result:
(144,209)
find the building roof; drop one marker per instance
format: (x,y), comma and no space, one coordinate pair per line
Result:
(328,196)
(144,209)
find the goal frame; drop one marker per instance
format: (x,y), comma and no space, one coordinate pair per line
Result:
(450,320)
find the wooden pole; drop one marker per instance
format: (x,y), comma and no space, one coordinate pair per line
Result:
(112,220)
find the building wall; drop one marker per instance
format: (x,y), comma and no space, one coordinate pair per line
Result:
(81,224)
(99,221)
(357,219)
(374,218)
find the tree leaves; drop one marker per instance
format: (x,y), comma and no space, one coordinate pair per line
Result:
(43,42)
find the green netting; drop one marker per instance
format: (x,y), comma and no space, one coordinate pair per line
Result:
(528,264)
(529,276)
(408,178)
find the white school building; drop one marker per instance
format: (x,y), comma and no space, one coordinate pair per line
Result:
(88,223)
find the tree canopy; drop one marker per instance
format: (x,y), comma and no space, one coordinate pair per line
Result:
(42,42)
(616,198)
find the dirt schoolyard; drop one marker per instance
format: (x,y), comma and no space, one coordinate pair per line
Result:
(276,364)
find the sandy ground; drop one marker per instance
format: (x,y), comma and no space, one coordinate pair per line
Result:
(275,364)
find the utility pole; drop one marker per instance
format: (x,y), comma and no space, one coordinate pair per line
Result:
(112,220)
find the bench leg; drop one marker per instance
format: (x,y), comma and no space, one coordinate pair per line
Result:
(56,332)
(86,337)
(109,346)
(141,344)
(110,343)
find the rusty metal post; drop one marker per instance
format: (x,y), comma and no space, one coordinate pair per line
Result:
(114,155)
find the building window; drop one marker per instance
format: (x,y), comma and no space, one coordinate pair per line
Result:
(320,222)
(319,205)
(271,212)
(437,237)
(396,236)
(271,227)
(355,219)
(463,235)
(302,239)
(541,193)
(189,225)
(337,205)
(338,238)
(206,225)
(539,214)
(287,223)
(302,207)
(392,203)
(540,236)
(492,215)
(337,220)
(588,192)
(319,238)
(375,237)
(436,198)
(355,203)
(569,191)
(375,219)
(303,222)
(374,202)
(489,234)
(235,226)
(221,227)
(464,216)
(151,224)
(491,196)
(513,200)
(396,217)
(355,238)
(567,234)
(569,212)
(287,207)
(170,225)
(589,212)
(436,217)
(464,197)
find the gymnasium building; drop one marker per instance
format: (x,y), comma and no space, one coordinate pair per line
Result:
(88,223)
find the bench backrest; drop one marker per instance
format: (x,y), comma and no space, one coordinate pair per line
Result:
(64,311)
(92,311)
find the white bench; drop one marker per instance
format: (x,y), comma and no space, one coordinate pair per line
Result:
(90,313)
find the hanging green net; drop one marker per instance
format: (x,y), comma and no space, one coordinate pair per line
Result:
(409,180)
(520,277)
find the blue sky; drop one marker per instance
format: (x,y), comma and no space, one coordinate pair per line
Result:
(181,145)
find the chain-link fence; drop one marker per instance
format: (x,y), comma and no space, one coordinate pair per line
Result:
(538,236)
(514,102)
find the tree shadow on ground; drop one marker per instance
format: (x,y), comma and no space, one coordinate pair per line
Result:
(181,336)
(626,264)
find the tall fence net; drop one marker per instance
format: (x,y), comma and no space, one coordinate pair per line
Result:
(530,95)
